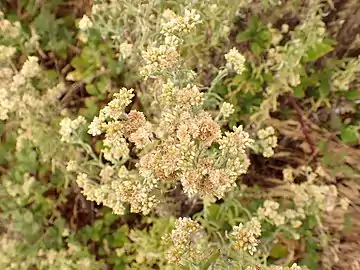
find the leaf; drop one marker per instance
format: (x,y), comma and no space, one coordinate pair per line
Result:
(318,50)
(349,134)
(278,251)
(335,121)
(117,239)
(256,48)
(92,90)
(352,94)
(243,36)
(92,108)
(299,91)
(212,258)
(102,84)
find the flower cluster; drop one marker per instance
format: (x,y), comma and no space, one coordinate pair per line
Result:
(346,74)
(292,267)
(114,191)
(119,126)
(13,88)
(183,241)
(9,253)
(235,61)
(68,128)
(270,211)
(69,258)
(226,110)
(125,49)
(34,106)
(288,174)
(308,193)
(285,60)
(233,147)
(245,237)
(85,23)
(266,142)
(183,156)
(174,25)
(164,58)
(175,147)
(9,29)
(277,267)
(12,256)
(6,52)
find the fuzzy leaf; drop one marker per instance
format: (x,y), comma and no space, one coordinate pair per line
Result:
(278,251)
(349,134)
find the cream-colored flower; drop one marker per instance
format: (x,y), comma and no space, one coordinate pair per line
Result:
(69,127)
(226,110)
(245,237)
(125,49)
(235,61)
(31,67)
(182,241)
(85,23)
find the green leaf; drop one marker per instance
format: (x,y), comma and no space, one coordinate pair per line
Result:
(335,121)
(318,50)
(349,134)
(213,257)
(92,108)
(243,36)
(256,48)
(299,91)
(352,94)
(102,84)
(278,251)
(92,90)
(78,63)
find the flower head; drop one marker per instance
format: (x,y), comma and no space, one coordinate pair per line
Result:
(244,237)
(235,61)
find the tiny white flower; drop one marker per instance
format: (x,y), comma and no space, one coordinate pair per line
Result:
(85,23)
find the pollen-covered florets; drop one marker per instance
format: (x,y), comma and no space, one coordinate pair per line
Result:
(10,29)
(266,142)
(31,67)
(235,61)
(115,108)
(85,23)
(245,237)
(68,128)
(270,210)
(6,52)
(162,59)
(173,24)
(126,49)
(226,110)
(288,174)
(235,142)
(183,241)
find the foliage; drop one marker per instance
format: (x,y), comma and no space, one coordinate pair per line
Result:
(213,134)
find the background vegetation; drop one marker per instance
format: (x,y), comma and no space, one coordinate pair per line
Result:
(301,77)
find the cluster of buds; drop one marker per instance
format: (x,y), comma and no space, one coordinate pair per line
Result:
(183,241)
(245,237)
(266,142)
(235,61)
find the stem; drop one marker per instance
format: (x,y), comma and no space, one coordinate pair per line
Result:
(302,123)
(222,74)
